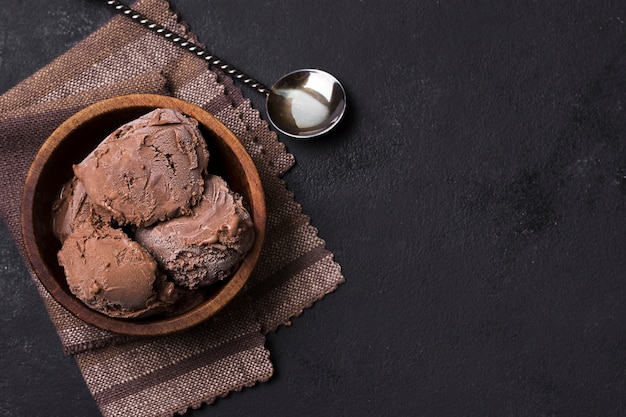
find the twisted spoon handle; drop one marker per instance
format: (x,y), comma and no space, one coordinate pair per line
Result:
(188,45)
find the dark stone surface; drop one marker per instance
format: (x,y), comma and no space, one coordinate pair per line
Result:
(474,196)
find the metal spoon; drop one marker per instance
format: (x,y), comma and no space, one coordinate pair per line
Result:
(302,104)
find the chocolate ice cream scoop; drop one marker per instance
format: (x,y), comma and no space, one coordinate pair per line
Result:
(148,170)
(207,245)
(112,274)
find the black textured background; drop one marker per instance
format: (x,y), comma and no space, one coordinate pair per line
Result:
(475,197)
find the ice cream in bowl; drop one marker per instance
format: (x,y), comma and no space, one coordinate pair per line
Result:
(143,215)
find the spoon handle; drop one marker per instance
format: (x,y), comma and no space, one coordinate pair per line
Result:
(188,45)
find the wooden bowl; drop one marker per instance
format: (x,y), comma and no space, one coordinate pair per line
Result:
(77,137)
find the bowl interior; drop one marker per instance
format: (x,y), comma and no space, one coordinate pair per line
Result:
(74,140)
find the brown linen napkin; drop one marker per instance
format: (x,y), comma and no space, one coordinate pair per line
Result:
(166,375)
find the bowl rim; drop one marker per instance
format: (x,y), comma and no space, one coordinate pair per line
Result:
(145,327)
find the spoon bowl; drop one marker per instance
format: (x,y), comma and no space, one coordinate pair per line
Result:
(306,103)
